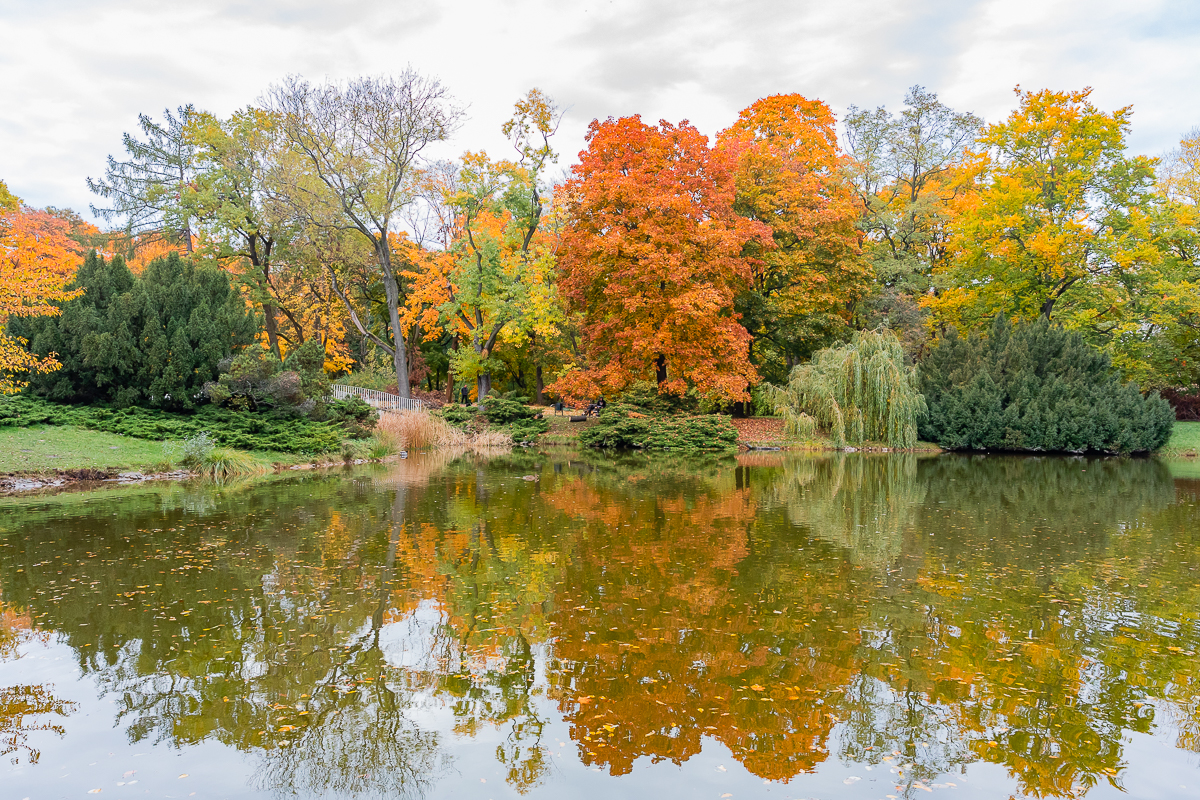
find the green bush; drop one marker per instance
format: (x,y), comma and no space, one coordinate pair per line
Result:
(196,449)
(506,408)
(509,412)
(153,339)
(526,431)
(1035,387)
(626,426)
(226,427)
(457,415)
(255,380)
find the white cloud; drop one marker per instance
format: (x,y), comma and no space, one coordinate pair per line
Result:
(74,75)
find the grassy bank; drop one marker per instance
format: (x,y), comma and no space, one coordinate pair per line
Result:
(47,448)
(1185,440)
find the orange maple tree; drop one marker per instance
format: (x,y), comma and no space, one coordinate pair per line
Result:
(652,259)
(791,178)
(37,264)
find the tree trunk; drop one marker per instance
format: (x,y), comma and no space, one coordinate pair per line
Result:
(660,369)
(272,329)
(450,374)
(483,385)
(263,265)
(1048,306)
(541,387)
(392,289)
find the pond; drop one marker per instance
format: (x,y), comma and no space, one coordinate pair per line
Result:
(573,626)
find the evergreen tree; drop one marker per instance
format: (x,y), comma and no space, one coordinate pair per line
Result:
(1035,387)
(149,340)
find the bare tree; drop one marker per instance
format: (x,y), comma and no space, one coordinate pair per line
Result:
(359,145)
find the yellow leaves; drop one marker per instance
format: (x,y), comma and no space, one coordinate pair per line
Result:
(1057,221)
(37,263)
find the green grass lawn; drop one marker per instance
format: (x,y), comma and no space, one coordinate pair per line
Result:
(46,447)
(1185,440)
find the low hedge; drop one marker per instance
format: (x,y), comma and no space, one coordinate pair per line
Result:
(627,426)
(243,430)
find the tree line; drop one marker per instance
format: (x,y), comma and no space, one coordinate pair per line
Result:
(706,266)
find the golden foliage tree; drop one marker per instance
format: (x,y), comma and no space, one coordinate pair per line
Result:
(37,264)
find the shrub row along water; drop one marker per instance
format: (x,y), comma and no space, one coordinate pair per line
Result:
(227,427)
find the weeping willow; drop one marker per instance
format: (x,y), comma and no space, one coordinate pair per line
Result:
(859,392)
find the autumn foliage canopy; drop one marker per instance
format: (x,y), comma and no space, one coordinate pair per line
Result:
(37,265)
(653,258)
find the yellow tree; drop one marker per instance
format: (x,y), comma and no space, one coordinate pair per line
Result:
(37,265)
(1171,338)
(1060,226)
(494,284)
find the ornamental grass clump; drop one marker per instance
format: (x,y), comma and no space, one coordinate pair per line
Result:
(410,430)
(201,455)
(421,430)
(860,392)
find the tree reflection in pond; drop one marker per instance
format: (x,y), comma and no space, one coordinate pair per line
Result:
(911,614)
(24,707)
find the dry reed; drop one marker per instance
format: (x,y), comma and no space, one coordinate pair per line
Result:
(420,430)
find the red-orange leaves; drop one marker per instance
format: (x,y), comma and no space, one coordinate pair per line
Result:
(652,259)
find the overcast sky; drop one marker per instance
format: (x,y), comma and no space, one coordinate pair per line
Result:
(74,74)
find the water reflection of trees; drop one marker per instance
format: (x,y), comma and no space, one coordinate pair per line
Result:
(25,707)
(934,612)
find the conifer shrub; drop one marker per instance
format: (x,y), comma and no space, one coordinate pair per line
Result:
(226,427)
(457,415)
(623,426)
(517,419)
(1035,387)
(151,340)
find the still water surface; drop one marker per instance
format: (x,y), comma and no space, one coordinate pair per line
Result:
(766,626)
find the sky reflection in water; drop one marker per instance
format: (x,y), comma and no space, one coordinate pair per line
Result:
(770,625)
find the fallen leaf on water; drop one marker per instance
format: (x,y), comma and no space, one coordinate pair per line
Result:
(852,779)
(95,791)
(184,775)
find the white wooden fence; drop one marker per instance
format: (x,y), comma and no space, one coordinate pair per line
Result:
(381,400)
